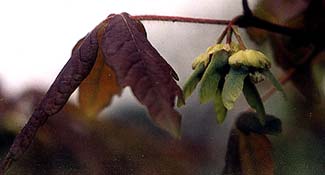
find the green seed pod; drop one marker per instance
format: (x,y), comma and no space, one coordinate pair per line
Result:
(192,82)
(202,58)
(249,58)
(206,56)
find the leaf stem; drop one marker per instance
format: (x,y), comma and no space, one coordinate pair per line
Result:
(222,36)
(229,33)
(238,37)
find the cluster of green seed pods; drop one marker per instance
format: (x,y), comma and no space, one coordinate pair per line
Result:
(224,71)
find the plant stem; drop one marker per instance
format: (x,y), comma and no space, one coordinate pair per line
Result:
(180,19)
(229,34)
(222,36)
(237,35)
(243,21)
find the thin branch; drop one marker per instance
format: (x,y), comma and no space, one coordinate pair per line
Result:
(243,21)
(229,34)
(222,36)
(180,19)
(237,35)
(252,21)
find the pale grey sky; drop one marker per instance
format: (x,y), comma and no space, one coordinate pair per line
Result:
(37,35)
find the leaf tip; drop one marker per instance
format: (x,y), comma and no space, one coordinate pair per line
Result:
(221,112)
(275,82)
(221,118)
(228,105)
(180,101)
(171,124)
(203,97)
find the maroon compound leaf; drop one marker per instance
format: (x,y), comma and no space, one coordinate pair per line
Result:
(138,64)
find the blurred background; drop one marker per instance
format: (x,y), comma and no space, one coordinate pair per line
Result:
(36,41)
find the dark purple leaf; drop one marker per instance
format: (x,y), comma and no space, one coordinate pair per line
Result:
(138,64)
(97,90)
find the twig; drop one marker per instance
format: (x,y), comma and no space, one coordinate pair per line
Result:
(243,21)
(229,34)
(237,35)
(222,36)
(180,19)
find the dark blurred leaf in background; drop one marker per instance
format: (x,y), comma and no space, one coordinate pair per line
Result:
(249,151)
(255,154)
(296,53)
(248,154)
(69,144)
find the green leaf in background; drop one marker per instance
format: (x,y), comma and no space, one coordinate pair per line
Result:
(274,81)
(253,99)
(219,107)
(191,83)
(233,86)
(211,76)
